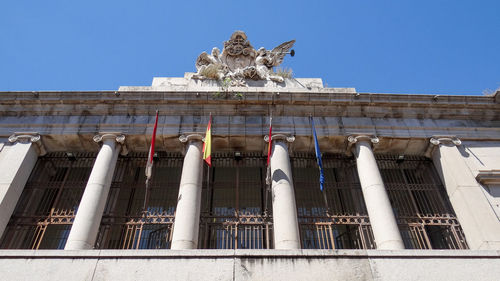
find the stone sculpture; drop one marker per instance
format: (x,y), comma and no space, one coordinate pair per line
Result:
(240,61)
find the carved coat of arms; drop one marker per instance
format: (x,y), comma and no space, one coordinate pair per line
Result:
(239,61)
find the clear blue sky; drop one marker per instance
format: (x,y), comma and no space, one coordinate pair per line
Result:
(399,46)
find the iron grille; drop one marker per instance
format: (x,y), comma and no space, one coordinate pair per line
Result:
(335,218)
(125,225)
(235,211)
(425,216)
(46,209)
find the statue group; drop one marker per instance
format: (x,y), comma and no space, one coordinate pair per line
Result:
(240,61)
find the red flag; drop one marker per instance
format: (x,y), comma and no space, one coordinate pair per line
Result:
(149,165)
(207,145)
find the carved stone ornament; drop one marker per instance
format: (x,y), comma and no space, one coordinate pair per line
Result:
(436,140)
(240,61)
(356,138)
(188,137)
(119,138)
(353,139)
(32,137)
(29,137)
(280,136)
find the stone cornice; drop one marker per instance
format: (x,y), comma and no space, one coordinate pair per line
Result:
(331,96)
(324,102)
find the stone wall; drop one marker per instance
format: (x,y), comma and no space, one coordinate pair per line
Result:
(249,265)
(483,160)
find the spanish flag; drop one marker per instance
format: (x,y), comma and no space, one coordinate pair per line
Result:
(207,145)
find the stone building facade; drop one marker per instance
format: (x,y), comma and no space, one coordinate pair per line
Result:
(412,184)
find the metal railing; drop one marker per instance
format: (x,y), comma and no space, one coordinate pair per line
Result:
(236,211)
(150,231)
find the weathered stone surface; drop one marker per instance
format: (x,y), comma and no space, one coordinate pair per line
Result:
(249,265)
(239,62)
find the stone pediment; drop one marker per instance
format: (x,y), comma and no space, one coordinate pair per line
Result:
(240,61)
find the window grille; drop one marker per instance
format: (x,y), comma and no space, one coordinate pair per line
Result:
(124,224)
(336,218)
(46,209)
(235,211)
(425,216)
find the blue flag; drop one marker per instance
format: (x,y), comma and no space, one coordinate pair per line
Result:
(318,156)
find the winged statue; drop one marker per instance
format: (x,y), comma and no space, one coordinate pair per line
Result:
(266,60)
(240,61)
(210,66)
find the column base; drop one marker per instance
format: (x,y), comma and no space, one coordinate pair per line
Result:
(183,245)
(77,245)
(287,245)
(391,245)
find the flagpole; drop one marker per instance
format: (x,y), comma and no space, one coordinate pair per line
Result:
(268,168)
(145,197)
(318,160)
(207,152)
(149,165)
(208,185)
(326,202)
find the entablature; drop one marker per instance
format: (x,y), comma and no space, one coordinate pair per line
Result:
(324,102)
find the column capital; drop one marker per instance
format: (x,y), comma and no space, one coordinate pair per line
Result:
(118,137)
(184,138)
(32,137)
(355,138)
(281,136)
(437,140)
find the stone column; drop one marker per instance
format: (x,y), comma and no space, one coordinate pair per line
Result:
(478,220)
(89,214)
(16,163)
(187,213)
(382,219)
(285,224)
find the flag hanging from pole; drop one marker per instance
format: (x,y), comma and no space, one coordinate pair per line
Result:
(149,164)
(318,155)
(207,145)
(269,148)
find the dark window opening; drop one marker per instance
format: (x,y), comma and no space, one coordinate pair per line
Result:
(236,211)
(46,209)
(125,225)
(425,216)
(335,218)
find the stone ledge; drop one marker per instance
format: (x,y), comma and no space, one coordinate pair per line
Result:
(337,95)
(488,176)
(327,254)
